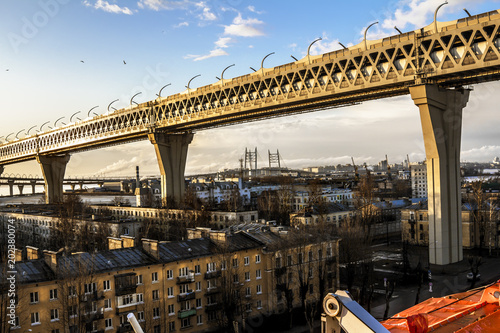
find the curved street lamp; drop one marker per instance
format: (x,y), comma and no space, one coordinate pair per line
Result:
(55,122)
(262,62)
(192,80)
(222,75)
(74,114)
(28,132)
(159,93)
(364,39)
(116,100)
(45,123)
(132,99)
(88,113)
(19,133)
(435,16)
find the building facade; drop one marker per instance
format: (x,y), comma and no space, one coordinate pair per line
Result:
(418,174)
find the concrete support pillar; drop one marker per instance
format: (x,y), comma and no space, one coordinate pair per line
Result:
(441,117)
(53,168)
(20,187)
(171,152)
(72,187)
(11,187)
(33,186)
(81,185)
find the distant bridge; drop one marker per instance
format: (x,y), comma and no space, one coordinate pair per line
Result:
(432,64)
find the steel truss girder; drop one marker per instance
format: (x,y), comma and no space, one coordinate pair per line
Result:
(462,52)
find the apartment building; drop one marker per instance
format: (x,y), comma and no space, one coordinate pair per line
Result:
(418,174)
(195,285)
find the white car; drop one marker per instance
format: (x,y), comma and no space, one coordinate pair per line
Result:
(470,276)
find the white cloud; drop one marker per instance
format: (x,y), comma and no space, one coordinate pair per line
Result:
(483,154)
(214,53)
(107,7)
(182,24)
(244,27)
(223,42)
(207,14)
(163,4)
(253,10)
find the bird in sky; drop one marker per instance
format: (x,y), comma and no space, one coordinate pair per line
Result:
(82,61)
(124,62)
(7,70)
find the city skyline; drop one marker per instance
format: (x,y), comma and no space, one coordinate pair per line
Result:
(90,53)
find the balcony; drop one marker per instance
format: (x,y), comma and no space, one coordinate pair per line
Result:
(125,284)
(212,307)
(125,327)
(212,291)
(212,275)
(185,279)
(186,297)
(94,296)
(186,313)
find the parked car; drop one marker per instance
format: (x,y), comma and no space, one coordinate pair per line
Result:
(470,276)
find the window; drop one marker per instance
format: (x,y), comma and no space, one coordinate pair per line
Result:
(156,295)
(289,260)
(199,319)
(301,258)
(198,302)
(278,262)
(107,304)
(170,291)
(35,318)
(108,323)
(258,274)
(198,286)
(223,265)
(90,287)
(310,256)
(197,269)
(320,254)
(140,298)
(72,310)
(106,285)
(421,227)
(154,277)
(248,292)
(259,304)
(212,315)
(184,289)
(171,309)
(249,307)
(186,305)
(54,314)
(171,326)
(170,274)
(140,316)
(184,271)
(259,289)
(211,267)
(53,294)
(211,284)
(34,297)
(421,236)
(139,279)
(156,313)
(246,261)
(186,322)
(236,278)
(329,252)
(235,262)
(247,276)
(257,258)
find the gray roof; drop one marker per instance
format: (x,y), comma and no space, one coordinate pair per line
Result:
(33,271)
(191,248)
(102,261)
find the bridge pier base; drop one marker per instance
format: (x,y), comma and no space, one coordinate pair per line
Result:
(20,187)
(171,152)
(441,118)
(53,168)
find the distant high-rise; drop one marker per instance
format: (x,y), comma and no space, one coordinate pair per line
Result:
(418,173)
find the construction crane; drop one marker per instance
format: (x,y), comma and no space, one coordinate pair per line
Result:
(343,314)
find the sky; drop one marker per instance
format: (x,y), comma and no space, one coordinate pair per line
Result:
(60,57)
